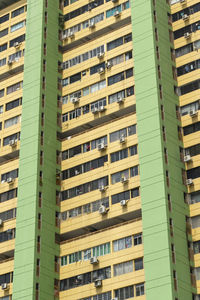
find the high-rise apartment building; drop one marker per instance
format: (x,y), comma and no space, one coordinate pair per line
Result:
(99,149)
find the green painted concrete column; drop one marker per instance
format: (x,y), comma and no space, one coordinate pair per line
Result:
(154,190)
(25,279)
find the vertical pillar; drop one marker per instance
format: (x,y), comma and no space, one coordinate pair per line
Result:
(30,185)
(158,262)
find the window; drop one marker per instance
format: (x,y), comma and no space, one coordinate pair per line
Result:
(4,18)
(2,62)
(125,293)
(3,47)
(96,204)
(138,264)
(134,171)
(12,174)
(7,215)
(101,250)
(117,177)
(98,104)
(85,278)
(120,196)
(3,32)
(12,121)
(18,12)
(116,60)
(83,9)
(122,243)
(103,296)
(87,254)
(189,67)
(17,26)
(74,113)
(6,236)
(114,97)
(71,152)
(196,247)
(123,268)
(14,87)
(137,239)
(13,104)
(114,44)
(192,151)
(189,107)
(63,260)
(74,257)
(96,68)
(83,57)
(197,273)
(194,197)
(19,39)
(8,195)
(191,128)
(1,93)
(139,289)
(97,86)
(16,56)
(1,109)
(133,150)
(6,278)
(15,137)
(84,188)
(75,212)
(114,136)
(119,155)
(193,173)
(113,10)
(95,143)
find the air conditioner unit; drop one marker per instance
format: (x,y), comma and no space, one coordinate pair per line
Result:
(10,62)
(185,17)
(187,35)
(193,112)
(16,44)
(102,210)
(102,188)
(189,181)
(109,65)
(4,286)
(12,143)
(91,24)
(102,108)
(75,100)
(94,260)
(100,55)
(101,146)
(124,179)
(98,283)
(120,100)
(123,202)
(95,110)
(116,13)
(64,36)
(101,70)
(1,222)
(187,158)
(122,139)
(10,180)
(71,34)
